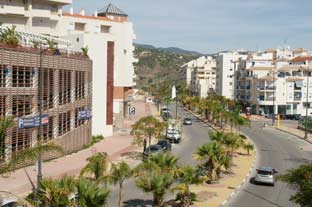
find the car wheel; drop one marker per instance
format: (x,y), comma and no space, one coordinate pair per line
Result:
(273,184)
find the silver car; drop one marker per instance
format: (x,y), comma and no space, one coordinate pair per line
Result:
(266,175)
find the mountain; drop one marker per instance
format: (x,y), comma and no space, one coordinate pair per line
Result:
(158,65)
(175,50)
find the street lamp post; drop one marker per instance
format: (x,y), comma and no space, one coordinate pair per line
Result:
(273,117)
(307,106)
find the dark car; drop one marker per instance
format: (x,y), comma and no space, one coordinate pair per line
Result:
(187,121)
(153,149)
(165,145)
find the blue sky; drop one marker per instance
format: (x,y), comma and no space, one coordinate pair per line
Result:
(215,25)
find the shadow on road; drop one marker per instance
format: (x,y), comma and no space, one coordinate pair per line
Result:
(138,203)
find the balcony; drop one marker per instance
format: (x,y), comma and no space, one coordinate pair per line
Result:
(266,88)
(12,10)
(41,13)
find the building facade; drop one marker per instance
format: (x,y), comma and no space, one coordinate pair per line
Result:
(109,37)
(58,83)
(226,67)
(36,16)
(203,76)
(276,81)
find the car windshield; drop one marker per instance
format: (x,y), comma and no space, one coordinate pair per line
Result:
(264,172)
(162,142)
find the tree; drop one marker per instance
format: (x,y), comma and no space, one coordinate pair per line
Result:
(54,192)
(85,51)
(212,155)
(10,36)
(90,194)
(248,147)
(149,127)
(119,173)
(156,174)
(31,154)
(157,183)
(97,165)
(5,124)
(187,175)
(52,45)
(232,142)
(301,180)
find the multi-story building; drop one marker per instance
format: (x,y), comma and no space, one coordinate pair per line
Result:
(226,67)
(203,76)
(109,36)
(58,83)
(41,17)
(276,81)
(188,67)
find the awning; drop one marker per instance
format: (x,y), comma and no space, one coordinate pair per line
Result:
(298,83)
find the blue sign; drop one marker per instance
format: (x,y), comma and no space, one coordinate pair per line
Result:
(84,114)
(24,123)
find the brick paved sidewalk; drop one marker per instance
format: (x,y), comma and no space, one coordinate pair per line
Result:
(18,183)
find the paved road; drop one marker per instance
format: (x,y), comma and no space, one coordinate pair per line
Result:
(193,136)
(281,151)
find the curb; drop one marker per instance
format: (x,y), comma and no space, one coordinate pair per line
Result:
(247,177)
(293,134)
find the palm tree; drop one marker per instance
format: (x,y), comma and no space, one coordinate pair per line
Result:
(242,121)
(97,165)
(119,173)
(85,51)
(187,175)
(31,154)
(52,45)
(211,155)
(157,183)
(217,136)
(248,147)
(233,142)
(90,194)
(9,36)
(147,126)
(54,192)
(5,124)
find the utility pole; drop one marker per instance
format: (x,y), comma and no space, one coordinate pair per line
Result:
(273,117)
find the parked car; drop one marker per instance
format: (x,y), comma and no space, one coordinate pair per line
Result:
(187,121)
(165,144)
(173,135)
(266,175)
(9,202)
(153,149)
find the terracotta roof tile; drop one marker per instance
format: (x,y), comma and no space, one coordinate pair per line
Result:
(301,59)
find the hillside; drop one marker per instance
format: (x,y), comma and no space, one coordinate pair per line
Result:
(156,65)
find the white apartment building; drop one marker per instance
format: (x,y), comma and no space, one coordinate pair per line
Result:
(189,67)
(36,16)
(226,68)
(203,76)
(109,36)
(276,78)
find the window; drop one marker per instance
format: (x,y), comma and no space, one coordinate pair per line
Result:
(22,76)
(80,26)
(21,139)
(3,73)
(77,121)
(2,106)
(64,86)
(47,130)
(21,105)
(80,85)
(48,88)
(64,123)
(105,29)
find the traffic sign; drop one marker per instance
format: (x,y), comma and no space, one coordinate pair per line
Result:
(132,110)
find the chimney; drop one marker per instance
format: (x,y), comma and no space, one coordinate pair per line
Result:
(95,13)
(71,10)
(82,12)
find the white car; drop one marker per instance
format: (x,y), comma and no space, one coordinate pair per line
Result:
(173,135)
(9,202)
(266,175)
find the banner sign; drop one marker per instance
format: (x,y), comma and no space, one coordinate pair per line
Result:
(24,123)
(84,114)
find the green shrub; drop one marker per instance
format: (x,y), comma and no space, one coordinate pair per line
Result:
(95,139)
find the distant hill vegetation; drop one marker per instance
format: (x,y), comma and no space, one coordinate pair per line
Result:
(157,65)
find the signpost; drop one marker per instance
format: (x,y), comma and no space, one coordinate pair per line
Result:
(24,123)
(131,110)
(84,114)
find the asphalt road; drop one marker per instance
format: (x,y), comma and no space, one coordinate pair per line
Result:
(192,137)
(279,150)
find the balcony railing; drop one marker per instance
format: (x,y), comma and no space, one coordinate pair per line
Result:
(261,88)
